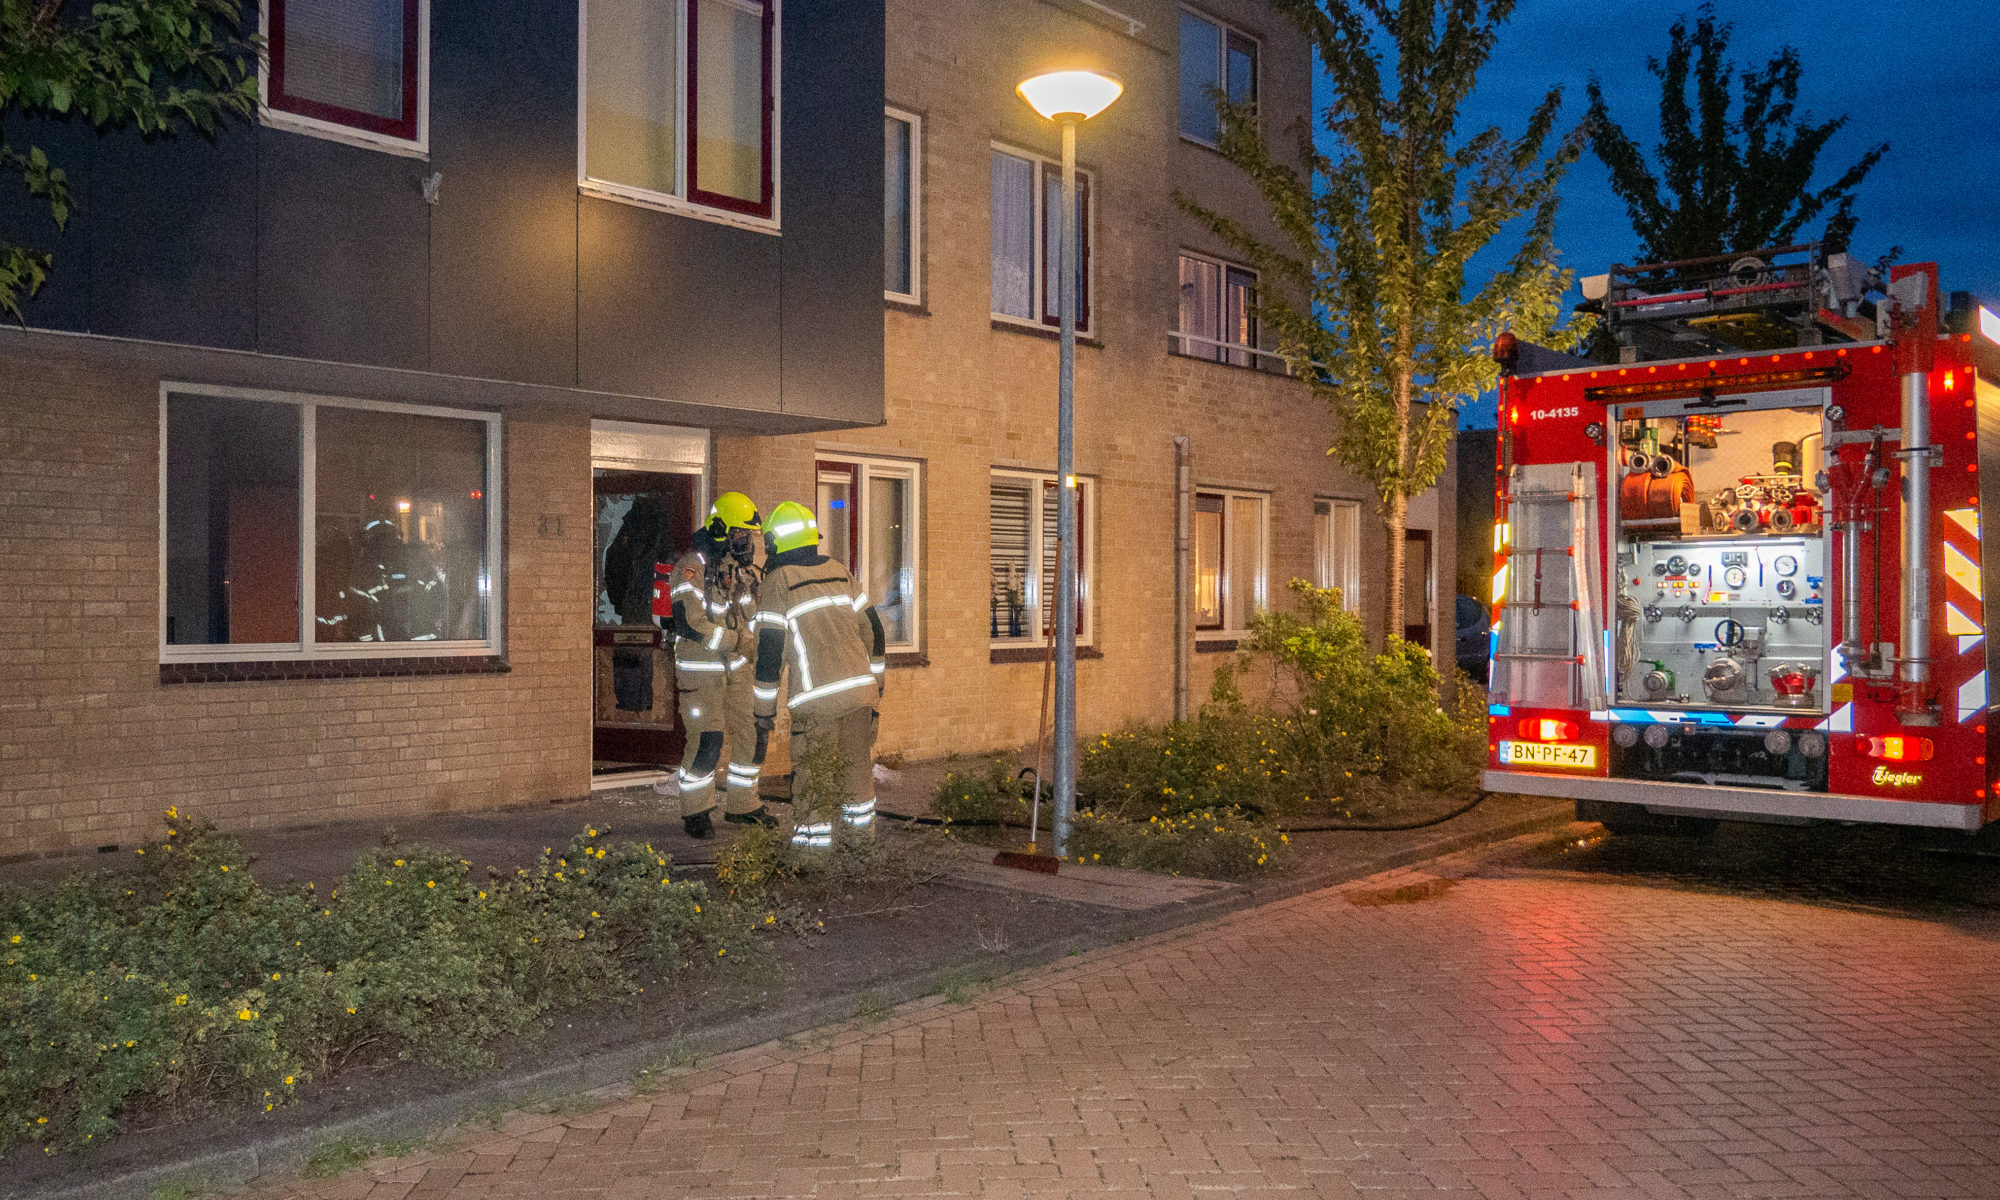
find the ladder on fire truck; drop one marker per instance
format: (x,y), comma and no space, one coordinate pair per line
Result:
(1548,650)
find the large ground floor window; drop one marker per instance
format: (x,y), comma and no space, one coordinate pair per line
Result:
(308,527)
(1337,549)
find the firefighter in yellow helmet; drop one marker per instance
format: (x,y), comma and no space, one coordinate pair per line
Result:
(813,621)
(705,601)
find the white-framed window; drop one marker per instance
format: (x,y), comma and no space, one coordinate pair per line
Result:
(1218,302)
(677,106)
(299,527)
(355,71)
(1337,549)
(870,511)
(1215,57)
(1231,548)
(902,205)
(1024,515)
(1026,222)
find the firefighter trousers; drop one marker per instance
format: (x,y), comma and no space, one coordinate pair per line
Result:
(717,714)
(833,780)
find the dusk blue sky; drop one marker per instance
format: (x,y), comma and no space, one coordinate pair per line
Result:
(1923,76)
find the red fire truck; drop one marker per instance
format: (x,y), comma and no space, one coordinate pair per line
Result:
(1738,572)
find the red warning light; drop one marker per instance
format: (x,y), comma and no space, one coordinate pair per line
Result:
(1899,749)
(1547,729)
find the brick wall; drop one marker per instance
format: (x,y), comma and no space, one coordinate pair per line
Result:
(93,746)
(966,394)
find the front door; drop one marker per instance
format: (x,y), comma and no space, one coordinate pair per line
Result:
(642,518)
(1417,587)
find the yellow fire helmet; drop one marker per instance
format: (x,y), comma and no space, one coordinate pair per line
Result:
(791,526)
(732,510)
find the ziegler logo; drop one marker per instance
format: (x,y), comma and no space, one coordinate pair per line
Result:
(1883,776)
(1554,414)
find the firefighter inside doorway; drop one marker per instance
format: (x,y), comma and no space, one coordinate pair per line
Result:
(814,622)
(705,601)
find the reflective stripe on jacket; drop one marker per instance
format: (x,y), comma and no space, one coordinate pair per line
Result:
(814,622)
(695,614)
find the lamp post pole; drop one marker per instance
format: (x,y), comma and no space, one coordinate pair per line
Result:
(1062,626)
(1068,97)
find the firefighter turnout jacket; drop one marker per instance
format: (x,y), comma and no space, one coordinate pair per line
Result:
(813,621)
(693,604)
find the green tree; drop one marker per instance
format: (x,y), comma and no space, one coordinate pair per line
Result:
(1365,285)
(156,65)
(1725,183)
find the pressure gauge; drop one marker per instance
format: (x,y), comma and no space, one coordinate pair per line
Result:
(1734,578)
(1787,588)
(1786,565)
(1677,565)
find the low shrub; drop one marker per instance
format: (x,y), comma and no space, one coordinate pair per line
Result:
(1342,729)
(985,791)
(182,984)
(1226,758)
(1219,843)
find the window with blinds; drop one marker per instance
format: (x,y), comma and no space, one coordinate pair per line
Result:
(1024,515)
(354,65)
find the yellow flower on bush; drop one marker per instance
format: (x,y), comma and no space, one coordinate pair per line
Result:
(399,862)
(430,883)
(225,867)
(350,1010)
(288,1081)
(181,999)
(245,1015)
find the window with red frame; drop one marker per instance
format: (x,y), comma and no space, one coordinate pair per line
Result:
(679,100)
(350,63)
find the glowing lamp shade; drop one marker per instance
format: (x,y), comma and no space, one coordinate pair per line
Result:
(1081,94)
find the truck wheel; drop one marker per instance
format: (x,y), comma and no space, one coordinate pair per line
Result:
(1622,819)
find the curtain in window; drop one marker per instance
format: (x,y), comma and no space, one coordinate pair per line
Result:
(1013,234)
(1246,530)
(631,108)
(1239,295)
(836,514)
(1198,312)
(891,574)
(1052,246)
(1201,58)
(728,64)
(1208,562)
(898,271)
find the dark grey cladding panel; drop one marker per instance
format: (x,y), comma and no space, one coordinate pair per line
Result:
(676,307)
(343,248)
(64,300)
(503,234)
(832,142)
(173,237)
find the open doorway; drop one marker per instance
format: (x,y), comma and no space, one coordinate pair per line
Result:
(646,500)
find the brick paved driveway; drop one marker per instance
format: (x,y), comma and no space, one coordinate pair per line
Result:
(1516,1035)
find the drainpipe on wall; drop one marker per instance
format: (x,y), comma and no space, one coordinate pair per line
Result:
(1183,526)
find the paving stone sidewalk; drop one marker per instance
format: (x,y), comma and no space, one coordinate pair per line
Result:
(1512,1035)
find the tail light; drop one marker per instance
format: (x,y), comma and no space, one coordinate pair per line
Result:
(1547,729)
(1899,749)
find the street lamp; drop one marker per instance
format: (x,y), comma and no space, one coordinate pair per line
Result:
(1069,96)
